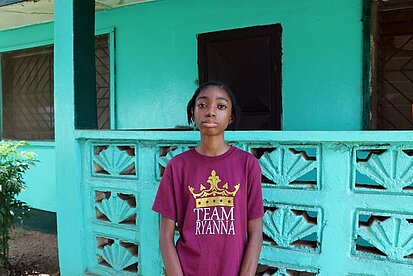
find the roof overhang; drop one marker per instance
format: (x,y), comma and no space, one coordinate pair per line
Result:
(9,2)
(18,13)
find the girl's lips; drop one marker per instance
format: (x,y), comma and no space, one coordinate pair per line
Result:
(209,123)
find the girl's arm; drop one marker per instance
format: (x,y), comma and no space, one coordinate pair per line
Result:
(252,253)
(168,250)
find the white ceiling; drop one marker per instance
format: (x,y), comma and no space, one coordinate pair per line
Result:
(39,11)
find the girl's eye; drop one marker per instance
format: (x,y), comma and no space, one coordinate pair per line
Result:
(201,105)
(222,106)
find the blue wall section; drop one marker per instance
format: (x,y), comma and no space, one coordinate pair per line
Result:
(26,37)
(156,64)
(156,58)
(41,179)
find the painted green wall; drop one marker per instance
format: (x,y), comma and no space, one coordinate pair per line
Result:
(41,179)
(26,37)
(156,64)
(156,58)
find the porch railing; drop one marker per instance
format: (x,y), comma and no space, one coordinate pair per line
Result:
(336,203)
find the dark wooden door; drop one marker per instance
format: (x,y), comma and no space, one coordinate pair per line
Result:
(248,60)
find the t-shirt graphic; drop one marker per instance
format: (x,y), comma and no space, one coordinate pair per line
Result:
(214,207)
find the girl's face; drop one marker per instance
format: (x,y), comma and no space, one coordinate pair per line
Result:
(213,111)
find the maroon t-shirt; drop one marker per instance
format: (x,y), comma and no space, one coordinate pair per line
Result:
(212,199)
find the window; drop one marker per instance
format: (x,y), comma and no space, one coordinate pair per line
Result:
(248,60)
(392,66)
(103,81)
(27,91)
(28,94)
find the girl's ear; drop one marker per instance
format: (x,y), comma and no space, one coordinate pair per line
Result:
(231,120)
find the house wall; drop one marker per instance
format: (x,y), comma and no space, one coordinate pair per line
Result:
(156,64)
(40,180)
(322,58)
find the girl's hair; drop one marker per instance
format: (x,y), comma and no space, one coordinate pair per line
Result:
(236,111)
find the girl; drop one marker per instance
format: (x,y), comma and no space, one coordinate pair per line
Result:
(213,192)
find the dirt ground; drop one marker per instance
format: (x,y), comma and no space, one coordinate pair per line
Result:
(32,253)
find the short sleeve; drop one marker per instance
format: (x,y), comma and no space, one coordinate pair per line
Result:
(165,203)
(255,205)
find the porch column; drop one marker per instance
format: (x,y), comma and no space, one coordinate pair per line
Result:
(75,107)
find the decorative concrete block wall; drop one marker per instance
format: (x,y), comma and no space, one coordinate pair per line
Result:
(331,208)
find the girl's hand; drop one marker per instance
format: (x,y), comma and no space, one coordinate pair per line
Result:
(252,253)
(168,250)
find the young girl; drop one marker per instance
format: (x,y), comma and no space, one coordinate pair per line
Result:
(213,192)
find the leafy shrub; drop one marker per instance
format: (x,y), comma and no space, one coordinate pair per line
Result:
(13,163)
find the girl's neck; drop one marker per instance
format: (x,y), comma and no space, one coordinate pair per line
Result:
(212,146)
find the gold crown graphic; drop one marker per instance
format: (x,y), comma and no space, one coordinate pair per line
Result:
(214,196)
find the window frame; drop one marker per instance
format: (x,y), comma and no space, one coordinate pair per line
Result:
(367,65)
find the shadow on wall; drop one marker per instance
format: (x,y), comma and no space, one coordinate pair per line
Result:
(39,220)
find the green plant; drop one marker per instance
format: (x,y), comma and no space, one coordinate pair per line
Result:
(13,164)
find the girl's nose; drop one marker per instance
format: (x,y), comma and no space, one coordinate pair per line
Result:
(211,112)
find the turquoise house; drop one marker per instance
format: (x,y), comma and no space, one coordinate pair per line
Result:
(99,89)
